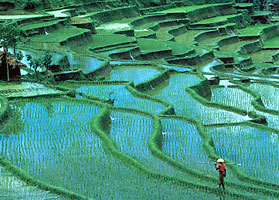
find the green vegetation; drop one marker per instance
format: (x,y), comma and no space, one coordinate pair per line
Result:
(188,8)
(134,102)
(59,35)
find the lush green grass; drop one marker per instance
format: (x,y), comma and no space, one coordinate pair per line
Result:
(108,40)
(272,43)
(187,37)
(188,8)
(59,35)
(178,49)
(263,56)
(252,30)
(211,41)
(38,25)
(162,34)
(234,47)
(216,19)
(151,45)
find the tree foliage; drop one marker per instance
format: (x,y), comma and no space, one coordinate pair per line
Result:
(31,4)
(9,37)
(43,62)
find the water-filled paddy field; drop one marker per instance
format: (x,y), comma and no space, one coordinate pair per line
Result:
(157,97)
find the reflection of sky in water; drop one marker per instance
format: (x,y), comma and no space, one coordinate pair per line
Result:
(123,98)
(87,64)
(206,68)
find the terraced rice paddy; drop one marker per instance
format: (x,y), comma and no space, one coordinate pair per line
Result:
(262,147)
(137,74)
(258,56)
(212,41)
(162,33)
(132,125)
(216,20)
(25,89)
(187,37)
(180,137)
(234,47)
(232,97)
(14,188)
(123,98)
(268,94)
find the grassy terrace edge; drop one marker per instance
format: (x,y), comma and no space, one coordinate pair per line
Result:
(103,119)
(238,172)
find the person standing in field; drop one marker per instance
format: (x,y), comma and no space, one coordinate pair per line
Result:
(222,172)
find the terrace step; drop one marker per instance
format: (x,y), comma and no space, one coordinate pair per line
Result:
(220,21)
(42,27)
(69,35)
(111,42)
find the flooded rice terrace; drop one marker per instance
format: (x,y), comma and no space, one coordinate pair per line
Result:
(117,100)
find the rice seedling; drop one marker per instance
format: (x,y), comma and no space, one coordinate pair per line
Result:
(232,97)
(26,89)
(185,105)
(254,148)
(268,93)
(234,47)
(57,145)
(13,188)
(272,120)
(182,142)
(130,132)
(187,37)
(162,32)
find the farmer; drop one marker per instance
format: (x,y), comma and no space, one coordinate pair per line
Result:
(222,171)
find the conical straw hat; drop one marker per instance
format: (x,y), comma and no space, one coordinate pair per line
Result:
(220,160)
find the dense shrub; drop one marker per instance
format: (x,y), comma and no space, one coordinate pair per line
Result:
(31,4)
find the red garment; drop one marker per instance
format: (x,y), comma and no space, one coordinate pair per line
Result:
(221,167)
